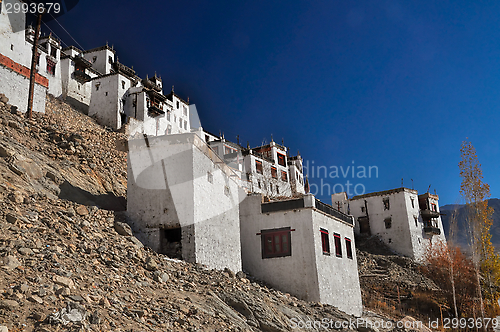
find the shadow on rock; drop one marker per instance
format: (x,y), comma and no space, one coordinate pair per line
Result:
(105,201)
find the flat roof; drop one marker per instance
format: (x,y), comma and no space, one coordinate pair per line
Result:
(385,192)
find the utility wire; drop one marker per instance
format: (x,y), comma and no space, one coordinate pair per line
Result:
(81,47)
(52,31)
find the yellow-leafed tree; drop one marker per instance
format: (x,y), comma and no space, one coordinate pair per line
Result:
(475,193)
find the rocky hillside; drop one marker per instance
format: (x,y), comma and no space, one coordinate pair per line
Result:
(69,263)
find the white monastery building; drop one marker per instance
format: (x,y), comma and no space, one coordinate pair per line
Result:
(407,222)
(93,81)
(206,200)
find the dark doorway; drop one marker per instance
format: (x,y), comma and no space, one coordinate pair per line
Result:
(171,242)
(364,225)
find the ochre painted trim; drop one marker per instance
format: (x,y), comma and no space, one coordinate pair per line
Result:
(22,70)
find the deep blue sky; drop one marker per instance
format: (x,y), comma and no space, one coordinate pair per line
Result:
(392,84)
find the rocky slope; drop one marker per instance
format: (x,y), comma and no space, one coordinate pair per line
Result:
(69,263)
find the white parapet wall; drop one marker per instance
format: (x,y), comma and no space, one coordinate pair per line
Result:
(177,182)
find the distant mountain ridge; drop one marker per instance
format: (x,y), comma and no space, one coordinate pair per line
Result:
(461,238)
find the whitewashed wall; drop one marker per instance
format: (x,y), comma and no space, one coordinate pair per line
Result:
(14,45)
(338,278)
(16,88)
(107,101)
(405,236)
(169,187)
(101,63)
(74,92)
(307,273)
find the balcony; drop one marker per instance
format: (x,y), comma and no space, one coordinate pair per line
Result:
(428,214)
(82,62)
(81,76)
(432,230)
(155,111)
(121,68)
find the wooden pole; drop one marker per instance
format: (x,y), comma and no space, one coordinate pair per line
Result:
(33,65)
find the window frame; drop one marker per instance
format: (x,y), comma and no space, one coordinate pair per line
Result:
(284,176)
(338,245)
(51,67)
(274,172)
(259,167)
(388,222)
(281,159)
(325,241)
(285,247)
(387,205)
(348,247)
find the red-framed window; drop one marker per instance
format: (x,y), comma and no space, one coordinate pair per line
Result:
(284,176)
(51,67)
(258,166)
(274,172)
(276,242)
(281,159)
(338,245)
(348,247)
(325,241)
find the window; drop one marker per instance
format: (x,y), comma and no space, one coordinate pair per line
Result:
(277,190)
(412,202)
(106,93)
(169,130)
(362,209)
(51,67)
(416,220)
(97,85)
(276,242)
(207,138)
(325,242)
(12,47)
(168,115)
(185,124)
(210,177)
(281,159)
(274,172)
(110,59)
(338,245)
(258,183)
(180,123)
(184,108)
(388,222)
(434,207)
(348,248)
(53,51)
(177,105)
(94,59)
(227,192)
(258,166)
(284,176)
(123,84)
(386,203)
(228,150)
